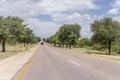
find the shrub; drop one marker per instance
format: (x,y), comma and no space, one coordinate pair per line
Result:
(98,47)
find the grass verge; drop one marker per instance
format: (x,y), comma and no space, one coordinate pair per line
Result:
(99,54)
(12,50)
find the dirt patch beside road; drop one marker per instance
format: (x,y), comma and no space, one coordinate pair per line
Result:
(10,66)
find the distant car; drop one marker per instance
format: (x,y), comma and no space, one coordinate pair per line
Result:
(42,43)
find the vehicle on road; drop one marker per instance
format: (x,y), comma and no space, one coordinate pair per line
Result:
(42,43)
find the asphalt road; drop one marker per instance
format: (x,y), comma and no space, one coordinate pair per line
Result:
(55,64)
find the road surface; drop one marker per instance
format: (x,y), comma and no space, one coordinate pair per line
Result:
(55,64)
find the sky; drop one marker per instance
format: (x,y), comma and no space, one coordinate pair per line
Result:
(45,17)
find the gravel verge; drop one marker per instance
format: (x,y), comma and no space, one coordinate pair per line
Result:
(10,66)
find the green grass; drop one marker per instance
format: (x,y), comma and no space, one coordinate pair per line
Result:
(99,54)
(12,50)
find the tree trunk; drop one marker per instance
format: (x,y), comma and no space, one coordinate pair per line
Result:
(63,44)
(59,45)
(3,44)
(24,44)
(66,46)
(15,43)
(109,47)
(55,44)
(69,46)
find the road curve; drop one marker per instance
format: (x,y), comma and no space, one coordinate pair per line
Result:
(55,64)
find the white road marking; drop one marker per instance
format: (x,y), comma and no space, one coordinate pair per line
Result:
(73,62)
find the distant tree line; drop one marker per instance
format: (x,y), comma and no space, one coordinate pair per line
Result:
(13,30)
(66,36)
(106,33)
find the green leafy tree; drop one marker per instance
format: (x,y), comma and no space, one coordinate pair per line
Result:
(4,31)
(13,28)
(71,40)
(68,34)
(83,42)
(105,31)
(16,27)
(53,39)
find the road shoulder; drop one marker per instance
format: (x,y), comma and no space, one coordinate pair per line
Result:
(10,66)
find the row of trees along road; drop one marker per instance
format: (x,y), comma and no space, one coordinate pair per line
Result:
(14,30)
(66,36)
(105,32)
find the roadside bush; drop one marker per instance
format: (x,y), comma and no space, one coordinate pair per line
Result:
(116,48)
(98,47)
(83,43)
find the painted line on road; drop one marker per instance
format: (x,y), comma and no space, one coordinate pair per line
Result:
(25,67)
(73,62)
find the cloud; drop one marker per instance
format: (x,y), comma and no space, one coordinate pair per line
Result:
(67,5)
(43,29)
(62,12)
(114,11)
(22,8)
(26,8)
(84,20)
(117,18)
(71,18)
(116,8)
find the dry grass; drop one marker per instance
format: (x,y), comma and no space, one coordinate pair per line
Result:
(98,54)
(13,50)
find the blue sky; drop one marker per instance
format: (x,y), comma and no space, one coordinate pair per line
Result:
(46,16)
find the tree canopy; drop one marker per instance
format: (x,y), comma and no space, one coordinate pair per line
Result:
(16,30)
(105,31)
(66,36)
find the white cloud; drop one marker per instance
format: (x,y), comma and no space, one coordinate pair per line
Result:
(22,8)
(113,11)
(116,4)
(116,8)
(67,5)
(71,18)
(27,9)
(45,29)
(117,18)
(83,19)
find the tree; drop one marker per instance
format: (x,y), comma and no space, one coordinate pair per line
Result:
(4,31)
(14,29)
(68,34)
(53,39)
(83,42)
(26,36)
(71,40)
(105,31)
